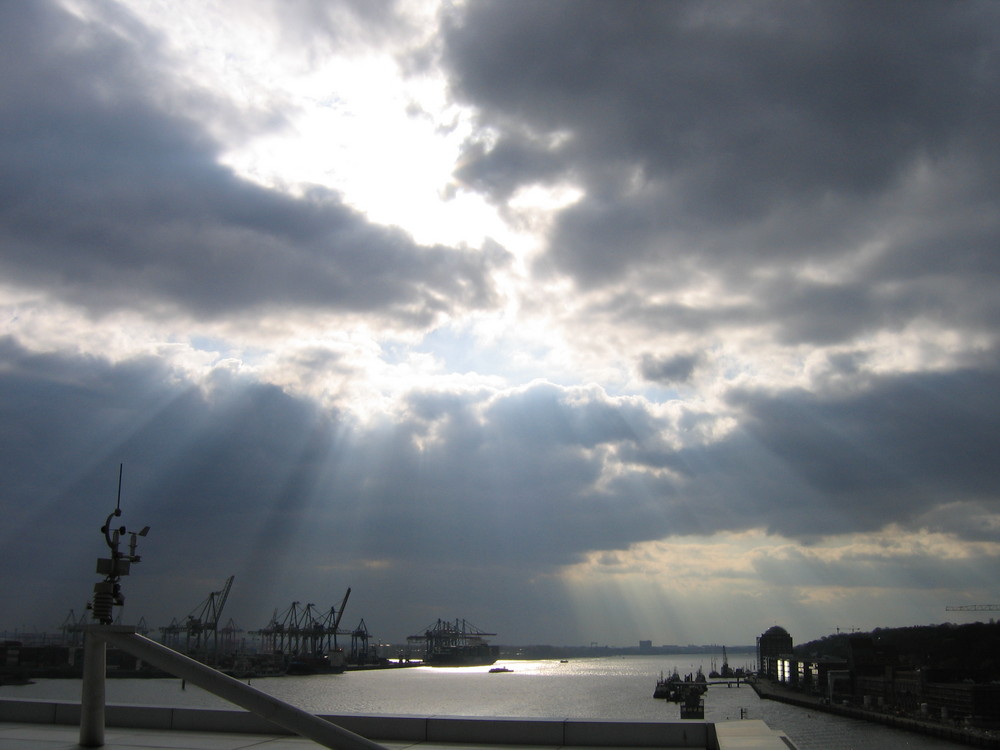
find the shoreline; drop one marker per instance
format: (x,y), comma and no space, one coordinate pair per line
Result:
(767,690)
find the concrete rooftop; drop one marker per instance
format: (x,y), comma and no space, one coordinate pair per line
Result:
(746,735)
(53,725)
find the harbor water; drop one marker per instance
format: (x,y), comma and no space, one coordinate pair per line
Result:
(599,688)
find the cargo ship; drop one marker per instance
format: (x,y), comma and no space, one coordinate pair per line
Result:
(454,644)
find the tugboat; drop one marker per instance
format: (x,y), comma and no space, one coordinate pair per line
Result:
(662,689)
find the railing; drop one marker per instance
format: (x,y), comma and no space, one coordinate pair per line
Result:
(266,706)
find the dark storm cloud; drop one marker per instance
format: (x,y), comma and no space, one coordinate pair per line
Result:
(804,569)
(724,137)
(819,173)
(112,196)
(935,431)
(806,465)
(237,477)
(751,103)
(250,456)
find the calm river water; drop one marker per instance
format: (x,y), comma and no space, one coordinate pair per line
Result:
(602,688)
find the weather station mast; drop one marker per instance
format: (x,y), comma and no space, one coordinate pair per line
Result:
(108,593)
(97,636)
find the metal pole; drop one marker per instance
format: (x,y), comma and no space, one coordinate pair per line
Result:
(92,696)
(294,719)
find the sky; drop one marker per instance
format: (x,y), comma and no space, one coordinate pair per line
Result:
(586,322)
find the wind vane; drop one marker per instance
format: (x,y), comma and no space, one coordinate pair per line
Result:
(108,593)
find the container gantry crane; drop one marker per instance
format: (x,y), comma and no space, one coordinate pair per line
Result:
(201,624)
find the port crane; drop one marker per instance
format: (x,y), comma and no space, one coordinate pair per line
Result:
(73,628)
(454,643)
(201,624)
(361,652)
(230,634)
(304,630)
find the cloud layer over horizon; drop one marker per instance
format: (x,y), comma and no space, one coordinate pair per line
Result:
(713,323)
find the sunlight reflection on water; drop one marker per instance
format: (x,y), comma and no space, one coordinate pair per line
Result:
(602,688)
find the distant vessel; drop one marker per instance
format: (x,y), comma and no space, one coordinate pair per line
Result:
(678,690)
(332,662)
(727,671)
(662,689)
(500,669)
(668,687)
(455,644)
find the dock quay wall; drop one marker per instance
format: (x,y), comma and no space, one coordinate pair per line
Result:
(451,729)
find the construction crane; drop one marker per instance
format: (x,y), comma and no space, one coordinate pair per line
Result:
(973,608)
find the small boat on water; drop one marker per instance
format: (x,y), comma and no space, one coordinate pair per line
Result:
(500,669)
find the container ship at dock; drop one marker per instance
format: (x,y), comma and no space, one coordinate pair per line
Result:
(454,644)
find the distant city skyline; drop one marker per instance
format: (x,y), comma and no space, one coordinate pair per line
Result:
(585,322)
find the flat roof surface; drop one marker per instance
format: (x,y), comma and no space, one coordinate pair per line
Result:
(15,736)
(22,736)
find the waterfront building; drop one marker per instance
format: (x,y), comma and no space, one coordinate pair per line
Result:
(928,692)
(807,675)
(772,645)
(875,677)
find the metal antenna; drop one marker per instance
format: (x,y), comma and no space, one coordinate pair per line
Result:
(118,506)
(108,592)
